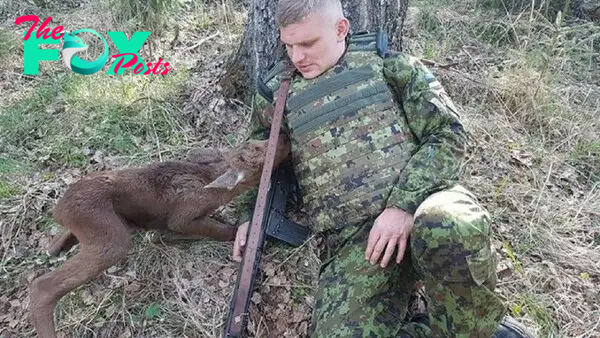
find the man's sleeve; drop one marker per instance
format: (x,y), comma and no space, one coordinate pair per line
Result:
(434,120)
(244,203)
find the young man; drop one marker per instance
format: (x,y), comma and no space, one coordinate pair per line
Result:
(378,148)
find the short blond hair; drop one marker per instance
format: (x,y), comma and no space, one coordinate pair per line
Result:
(292,11)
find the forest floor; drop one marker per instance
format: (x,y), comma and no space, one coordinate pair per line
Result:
(528,89)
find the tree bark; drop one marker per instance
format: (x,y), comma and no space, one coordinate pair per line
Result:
(260,46)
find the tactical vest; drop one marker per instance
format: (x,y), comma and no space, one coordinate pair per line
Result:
(349,136)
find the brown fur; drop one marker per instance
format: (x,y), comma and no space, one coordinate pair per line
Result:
(102,209)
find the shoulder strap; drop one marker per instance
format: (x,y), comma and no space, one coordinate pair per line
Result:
(265,91)
(370,41)
(277,69)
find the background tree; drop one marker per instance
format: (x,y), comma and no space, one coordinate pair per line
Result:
(259,45)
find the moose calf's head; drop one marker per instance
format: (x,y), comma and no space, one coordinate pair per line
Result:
(246,163)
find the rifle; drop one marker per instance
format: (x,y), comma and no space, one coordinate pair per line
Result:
(267,219)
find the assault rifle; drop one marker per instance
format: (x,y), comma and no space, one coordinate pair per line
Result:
(275,226)
(268,220)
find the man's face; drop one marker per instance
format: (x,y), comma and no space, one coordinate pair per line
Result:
(314,44)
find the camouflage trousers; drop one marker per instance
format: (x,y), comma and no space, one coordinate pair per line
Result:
(449,250)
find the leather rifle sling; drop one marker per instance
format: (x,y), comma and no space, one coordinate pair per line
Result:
(247,268)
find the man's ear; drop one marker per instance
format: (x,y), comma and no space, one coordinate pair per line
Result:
(342,28)
(228,180)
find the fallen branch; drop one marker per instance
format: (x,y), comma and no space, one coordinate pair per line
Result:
(432,63)
(200,42)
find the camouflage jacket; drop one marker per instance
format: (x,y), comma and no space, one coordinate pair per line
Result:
(402,142)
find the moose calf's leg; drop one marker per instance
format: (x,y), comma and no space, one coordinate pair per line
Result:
(93,257)
(201,228)
(63,242)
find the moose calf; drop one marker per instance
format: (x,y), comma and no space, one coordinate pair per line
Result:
(102,209)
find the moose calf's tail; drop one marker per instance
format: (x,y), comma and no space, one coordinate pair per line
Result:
(62,242)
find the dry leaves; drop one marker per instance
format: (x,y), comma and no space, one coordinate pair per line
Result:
(521,157)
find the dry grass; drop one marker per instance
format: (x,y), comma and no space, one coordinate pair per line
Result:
(529,91)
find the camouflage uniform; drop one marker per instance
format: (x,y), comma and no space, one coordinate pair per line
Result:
(376,131)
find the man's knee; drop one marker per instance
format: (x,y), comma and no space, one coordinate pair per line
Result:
(456,203)
(451,238)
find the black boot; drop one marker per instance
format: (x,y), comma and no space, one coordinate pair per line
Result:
(510,328)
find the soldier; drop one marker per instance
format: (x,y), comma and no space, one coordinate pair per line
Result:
(377,149)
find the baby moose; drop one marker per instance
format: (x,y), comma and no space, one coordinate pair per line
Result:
(102,209)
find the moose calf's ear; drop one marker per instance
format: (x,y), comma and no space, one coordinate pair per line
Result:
(228,180)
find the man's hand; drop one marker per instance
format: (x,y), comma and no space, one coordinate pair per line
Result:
(390,230)
(240,241)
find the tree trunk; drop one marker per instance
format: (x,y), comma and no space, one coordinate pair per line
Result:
(259,46)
